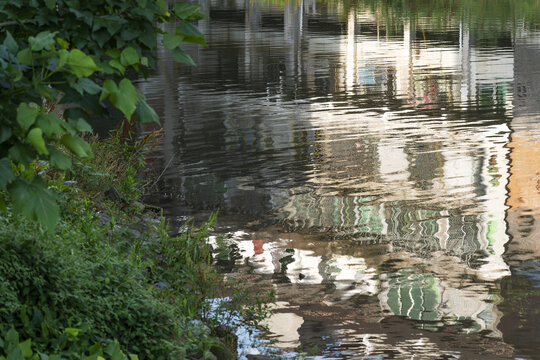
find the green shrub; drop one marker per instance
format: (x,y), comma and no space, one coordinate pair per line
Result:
(12,347)
(85,281)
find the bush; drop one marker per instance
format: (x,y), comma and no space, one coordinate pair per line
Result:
(73,280)
(77,54)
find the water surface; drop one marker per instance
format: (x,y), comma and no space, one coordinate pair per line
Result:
(377,162)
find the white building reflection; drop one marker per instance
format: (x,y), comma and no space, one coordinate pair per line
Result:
(422,177)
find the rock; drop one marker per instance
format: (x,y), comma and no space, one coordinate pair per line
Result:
(222,352)
(226,349)
(103,218)
(136,233)
(260,357)
(211,357)
(251,352)
(161,285)
(198,328)
(138,205)
(113,195)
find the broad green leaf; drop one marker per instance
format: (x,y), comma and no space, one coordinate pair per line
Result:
(129,56)
(144,113)
(191,33)
(72,331)
(63,55)
(144,61)
(74,84)
(27,114)
(82,15)
(109,87)
(73,114)
(25,56)
(58,159)
(89,86)
(3,207)
(50,4)
(21,153)
(81,64)
(34,201)
(148,39)
(50,124)
(26,348)
(45,91)
(12,336)
(63,43)
(184,10)
(197,16)
(5,133)
(113,350)
(171,41)
(24,316)
(6,172)
(107,69)
(76,145)
(81,125)
(113,53)
(14,72)
(68,127)
(125,98)
(182,57)
(162,6)
(193,39)
(95,349)
(116,64)
(14,354)
(130,33)
(35,137)
(42,40)
(101,37)
(113,23)
(10,43)
(188,28)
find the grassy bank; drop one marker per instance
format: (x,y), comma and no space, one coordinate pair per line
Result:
(109,282)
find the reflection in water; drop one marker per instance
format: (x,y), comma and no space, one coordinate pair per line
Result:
(377,163)
(521,293)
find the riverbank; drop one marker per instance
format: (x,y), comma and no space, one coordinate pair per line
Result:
(110,282)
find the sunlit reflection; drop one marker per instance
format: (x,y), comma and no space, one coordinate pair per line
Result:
(376,163)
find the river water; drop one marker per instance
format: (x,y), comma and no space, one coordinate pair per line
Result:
(376,162)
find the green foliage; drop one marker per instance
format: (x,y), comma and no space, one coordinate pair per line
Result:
(75,54)
(35,201)
(13,348)
(88,281)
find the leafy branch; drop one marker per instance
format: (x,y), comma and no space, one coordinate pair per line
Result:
(74,53)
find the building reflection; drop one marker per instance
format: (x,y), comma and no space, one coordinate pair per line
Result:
(521,292)
(423,145)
